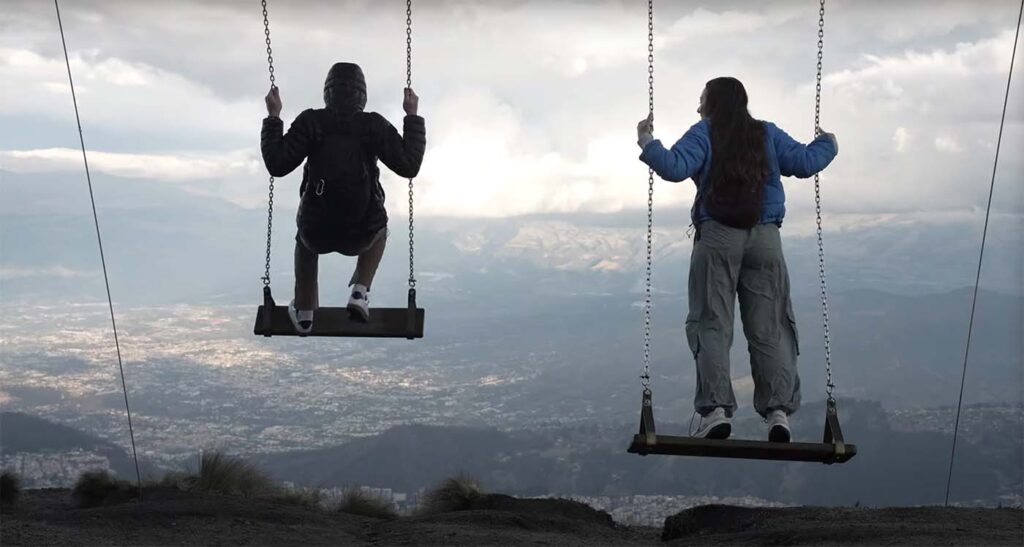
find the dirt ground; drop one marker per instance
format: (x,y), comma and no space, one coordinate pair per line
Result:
(47,517)
(931,526)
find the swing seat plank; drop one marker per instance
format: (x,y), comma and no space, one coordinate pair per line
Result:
(384,323)
(832,448)
(669,445)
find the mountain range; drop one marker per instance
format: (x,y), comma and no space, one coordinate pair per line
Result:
(905,466)
(199,249)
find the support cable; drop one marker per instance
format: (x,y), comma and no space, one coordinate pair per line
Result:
(103,260)
(981,256)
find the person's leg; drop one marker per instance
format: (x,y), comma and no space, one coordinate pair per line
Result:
(369,260)
(306,286)
(769,323)
(714,271)
(362,277)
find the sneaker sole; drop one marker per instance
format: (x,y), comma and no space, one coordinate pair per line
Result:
(718,432)
(295,324)
(356,314)
(778,434)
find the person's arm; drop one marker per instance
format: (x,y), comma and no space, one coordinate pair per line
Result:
(283,152)
(683,160)
(802,161)
(402,153)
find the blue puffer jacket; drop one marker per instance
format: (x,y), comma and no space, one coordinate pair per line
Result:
(690,156)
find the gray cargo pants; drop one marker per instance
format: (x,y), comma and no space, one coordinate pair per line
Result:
(727,262)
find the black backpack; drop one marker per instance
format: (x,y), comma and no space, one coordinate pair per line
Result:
(339,188)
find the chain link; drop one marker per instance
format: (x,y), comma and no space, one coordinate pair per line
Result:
(408,83)
(645,378)
(829,384)
(270,198)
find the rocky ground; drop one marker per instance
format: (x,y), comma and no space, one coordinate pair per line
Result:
(172,517)
(933,526)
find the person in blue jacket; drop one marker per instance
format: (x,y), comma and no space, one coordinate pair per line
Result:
(737,163)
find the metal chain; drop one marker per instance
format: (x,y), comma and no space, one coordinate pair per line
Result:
(829,384)
(270,198)
(408,83)
(645,379)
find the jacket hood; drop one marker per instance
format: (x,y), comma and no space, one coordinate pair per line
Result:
(345,88)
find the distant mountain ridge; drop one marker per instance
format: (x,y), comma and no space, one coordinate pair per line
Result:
(21,432)
(49,248)
(891,468)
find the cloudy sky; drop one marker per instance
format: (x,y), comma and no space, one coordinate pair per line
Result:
(531,106)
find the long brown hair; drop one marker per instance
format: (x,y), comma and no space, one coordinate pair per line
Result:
(739,165)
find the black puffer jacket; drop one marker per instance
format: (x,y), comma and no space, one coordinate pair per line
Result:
(282,153)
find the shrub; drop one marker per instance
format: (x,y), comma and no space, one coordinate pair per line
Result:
(95,488)
(10,487)
(179,480)
(232,476)
(453,494)
(310,498)
(356,501)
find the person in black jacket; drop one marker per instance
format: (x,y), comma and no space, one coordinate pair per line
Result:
(369,137)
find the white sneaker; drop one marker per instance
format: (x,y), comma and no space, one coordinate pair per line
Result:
(716,425)
(302,320)
(778,427)
(359,304)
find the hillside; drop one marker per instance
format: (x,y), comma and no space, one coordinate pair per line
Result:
(173,517)
(30,434)
(591,461)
